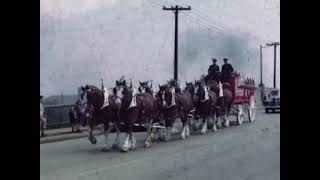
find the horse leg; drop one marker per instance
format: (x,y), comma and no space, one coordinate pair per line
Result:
(204,126)
(168,130)
(92,139)
(78,125)
(128,141)
(218,118)
(226,119)
(187,127)
(210,121)
(214,128)
(107,130)
(72,127)
(162,131)
(126,146)
(148,139)
(133,141)
(197,124)
(183,132)
(116,142)
(43,125)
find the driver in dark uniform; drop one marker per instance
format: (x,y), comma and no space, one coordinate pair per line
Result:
(226,70)
(214,68)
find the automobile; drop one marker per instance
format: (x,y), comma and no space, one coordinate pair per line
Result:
(272,100)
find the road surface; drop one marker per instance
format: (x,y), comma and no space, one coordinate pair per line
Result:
(248,152)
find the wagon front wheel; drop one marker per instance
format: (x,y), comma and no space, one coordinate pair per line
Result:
(240,115)
(252,109)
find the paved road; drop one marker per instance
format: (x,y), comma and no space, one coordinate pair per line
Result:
(248,152)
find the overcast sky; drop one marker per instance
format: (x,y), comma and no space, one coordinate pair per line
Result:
(82,41)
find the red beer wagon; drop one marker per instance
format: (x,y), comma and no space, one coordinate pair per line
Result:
(242,89)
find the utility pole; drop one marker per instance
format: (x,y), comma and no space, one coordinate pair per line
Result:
(176,10)
(274,44)
(261,84)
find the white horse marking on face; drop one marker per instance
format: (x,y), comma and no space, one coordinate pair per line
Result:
(220,90)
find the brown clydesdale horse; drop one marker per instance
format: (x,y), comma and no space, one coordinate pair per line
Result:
(224,102)
(95,98)
(175,105)
(135,108)
(145,88)
(206,106)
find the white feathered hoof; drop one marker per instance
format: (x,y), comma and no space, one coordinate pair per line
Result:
(204,128)
(183,135)
(127,145)
(125,148)
(187,131)
(147,144)
(203,132)
(133,145)
(214,128)
(226,123)
(219,124)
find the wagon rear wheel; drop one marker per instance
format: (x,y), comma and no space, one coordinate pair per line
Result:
(239,115)
(252,109)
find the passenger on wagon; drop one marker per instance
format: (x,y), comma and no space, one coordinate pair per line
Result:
(226,70)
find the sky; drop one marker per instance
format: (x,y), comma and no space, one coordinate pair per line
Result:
(82,41)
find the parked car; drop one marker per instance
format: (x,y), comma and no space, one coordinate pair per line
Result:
(272,100)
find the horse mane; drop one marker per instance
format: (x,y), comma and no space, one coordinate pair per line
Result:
(94,88)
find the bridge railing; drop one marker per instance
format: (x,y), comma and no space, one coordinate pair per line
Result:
(57,116)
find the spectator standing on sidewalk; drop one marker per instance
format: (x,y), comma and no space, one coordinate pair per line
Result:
(43,120)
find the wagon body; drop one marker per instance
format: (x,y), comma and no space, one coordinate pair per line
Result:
(242,89)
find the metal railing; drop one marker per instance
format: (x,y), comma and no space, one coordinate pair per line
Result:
(57,116)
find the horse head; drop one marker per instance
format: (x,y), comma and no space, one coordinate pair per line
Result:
(190,88)
(144,87)
(201,90)
(167,96)
(91,95)
(123,93)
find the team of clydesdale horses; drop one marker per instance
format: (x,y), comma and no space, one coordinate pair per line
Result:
(202,105)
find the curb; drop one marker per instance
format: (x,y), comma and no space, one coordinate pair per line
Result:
(64,137)
(65,132)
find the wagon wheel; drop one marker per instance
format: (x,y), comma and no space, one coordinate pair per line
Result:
(240,115)
(252,109)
